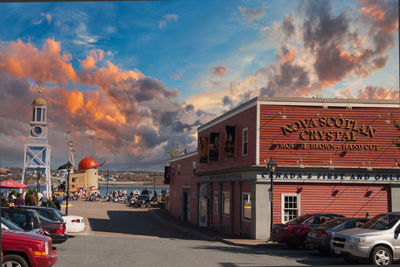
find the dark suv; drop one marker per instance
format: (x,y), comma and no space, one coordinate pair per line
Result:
(24,218)
(47,212)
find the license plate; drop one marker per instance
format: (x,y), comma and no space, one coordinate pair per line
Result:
(313,234)
(337,251)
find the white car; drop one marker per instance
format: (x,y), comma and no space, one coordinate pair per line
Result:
(74,224)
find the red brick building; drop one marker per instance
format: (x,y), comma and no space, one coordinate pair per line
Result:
(333,155)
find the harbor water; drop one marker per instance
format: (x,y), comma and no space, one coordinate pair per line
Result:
(103,188)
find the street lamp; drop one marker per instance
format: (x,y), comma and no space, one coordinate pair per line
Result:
(38,179)
(271,165)
(68,166)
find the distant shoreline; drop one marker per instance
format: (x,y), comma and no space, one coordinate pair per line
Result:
(114,183)
(130,184)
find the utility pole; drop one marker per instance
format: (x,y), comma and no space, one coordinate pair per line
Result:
(108,177)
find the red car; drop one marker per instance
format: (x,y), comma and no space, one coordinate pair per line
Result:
(27,249)
(56,230)
(294,232)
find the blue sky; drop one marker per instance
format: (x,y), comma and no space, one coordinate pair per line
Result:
(183,62)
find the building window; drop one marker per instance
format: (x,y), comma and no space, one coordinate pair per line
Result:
(290,207)
(245,141)
(226,207)
(246,206)
(215,202)
(38,114)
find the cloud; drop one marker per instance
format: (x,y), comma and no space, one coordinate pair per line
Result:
(83,37)
(288,26)
(24,60)
(125,117)
(167,19)
(44,16)
(370,92)
(329,38)
(251,14)
(287,78)
(220,70)
(91,59)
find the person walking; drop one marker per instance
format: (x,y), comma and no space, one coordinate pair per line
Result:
(20,200)
(44,199)
(32,200)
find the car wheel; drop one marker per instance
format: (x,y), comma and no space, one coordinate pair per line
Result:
(14,261)
(381,256)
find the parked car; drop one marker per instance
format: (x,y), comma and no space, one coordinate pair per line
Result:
(320,237)
(48,212)
(74,223)
(377,240)
(56,230)
(27,219)
(27,249)
(294,232)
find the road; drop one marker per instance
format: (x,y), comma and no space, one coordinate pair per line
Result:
(117,235)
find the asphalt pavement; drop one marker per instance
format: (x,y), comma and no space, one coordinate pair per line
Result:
(117,235)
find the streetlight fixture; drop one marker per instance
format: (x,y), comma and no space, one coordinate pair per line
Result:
(68,166)
(272,165)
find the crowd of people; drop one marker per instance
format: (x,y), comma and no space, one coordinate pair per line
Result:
(30,198)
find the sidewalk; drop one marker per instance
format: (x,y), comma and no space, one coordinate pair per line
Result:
(163,215)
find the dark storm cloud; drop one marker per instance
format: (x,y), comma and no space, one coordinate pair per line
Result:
(189,107)
(288,26)
(288,80)
(227,101)
(320,28)
(327,35)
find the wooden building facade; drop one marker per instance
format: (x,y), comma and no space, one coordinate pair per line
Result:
(333,155)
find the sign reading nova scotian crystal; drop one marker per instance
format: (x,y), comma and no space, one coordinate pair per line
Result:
(334,129)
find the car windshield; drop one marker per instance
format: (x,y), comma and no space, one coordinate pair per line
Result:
(11,225)
(382,222)
(299,219)
(46,219)
(61,214)
(333,223)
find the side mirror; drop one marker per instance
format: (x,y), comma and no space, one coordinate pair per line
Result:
(397,230)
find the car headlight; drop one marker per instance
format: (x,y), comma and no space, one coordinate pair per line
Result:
(46,248)
(357,239)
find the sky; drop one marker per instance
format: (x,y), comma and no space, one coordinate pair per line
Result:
(131,80)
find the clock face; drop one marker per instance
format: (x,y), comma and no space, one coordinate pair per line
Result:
(37,131)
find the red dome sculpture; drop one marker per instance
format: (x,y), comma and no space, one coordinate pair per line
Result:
(88,163)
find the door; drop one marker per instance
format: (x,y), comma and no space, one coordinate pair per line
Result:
(184,206)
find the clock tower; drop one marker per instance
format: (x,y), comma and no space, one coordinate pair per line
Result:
(37,149)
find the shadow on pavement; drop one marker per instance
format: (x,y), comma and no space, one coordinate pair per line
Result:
(135,222)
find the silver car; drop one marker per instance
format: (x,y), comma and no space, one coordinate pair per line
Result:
(378,240)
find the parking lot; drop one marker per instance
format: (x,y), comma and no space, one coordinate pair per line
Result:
(119,235)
